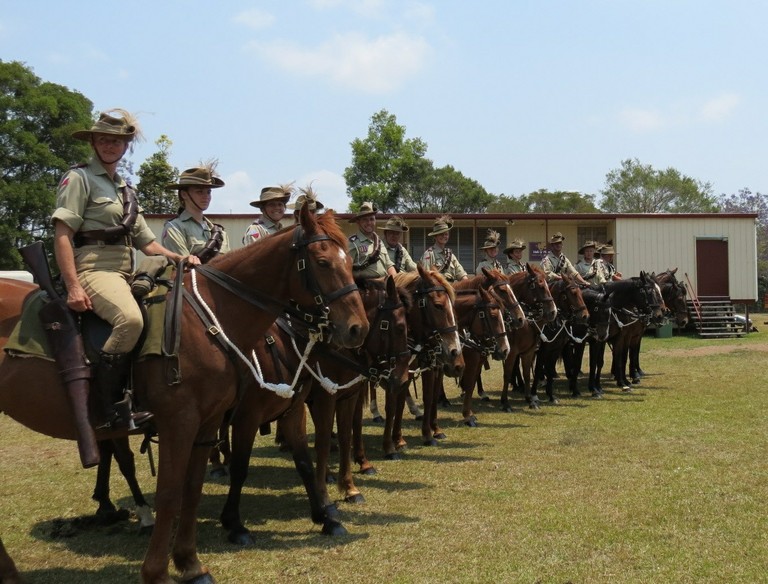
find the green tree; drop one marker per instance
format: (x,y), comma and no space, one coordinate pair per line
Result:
(446,190)
(639,188)
(155,174)
(544,201)
(745,201)
(37,119)
(386,167)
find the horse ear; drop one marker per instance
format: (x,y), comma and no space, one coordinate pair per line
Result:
(671,271)
(529,268)
(308,221)
(486,273)
(391,288)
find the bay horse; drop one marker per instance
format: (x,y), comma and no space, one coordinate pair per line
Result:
(435,346)
(531,289)
(571,312)
(307,264)
(592,333)
(476,350)
(384,357)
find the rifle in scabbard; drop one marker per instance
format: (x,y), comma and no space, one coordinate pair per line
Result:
(66,343)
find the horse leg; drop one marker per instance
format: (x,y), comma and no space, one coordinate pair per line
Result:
(430,406)
(345,412)
(322,409)
(470,375)
(126,462)
(295,428)
(391,404)
(634,358)
(8,572)
(243,438)
(377,417)
(219,467)
(103,472)
(437,432)
(480,390)
(358,448)
(509,364)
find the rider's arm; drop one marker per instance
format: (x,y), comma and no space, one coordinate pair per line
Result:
(77,299)
(154,248)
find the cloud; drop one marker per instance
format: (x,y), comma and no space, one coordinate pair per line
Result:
(641,120)
(720,107)
(255,19)
(367,8)
(236,196)
(330,187)
(378,65)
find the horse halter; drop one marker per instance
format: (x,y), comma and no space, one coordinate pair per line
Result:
(320,319)
(487,343)
(384,363)
(508,320)
(432,339)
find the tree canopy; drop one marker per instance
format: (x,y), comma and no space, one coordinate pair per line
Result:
(36,122)
(393,172)
(544,201)
(155,174)
(639,188)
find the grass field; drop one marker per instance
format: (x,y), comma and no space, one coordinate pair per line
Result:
(664,484)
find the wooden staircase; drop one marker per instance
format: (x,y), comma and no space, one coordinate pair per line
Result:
(714,316)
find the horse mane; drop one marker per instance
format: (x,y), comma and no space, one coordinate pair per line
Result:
(328,223)
(476,281)
(380,284)
(410,281)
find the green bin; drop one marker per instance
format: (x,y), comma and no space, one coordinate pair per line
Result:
(664,331)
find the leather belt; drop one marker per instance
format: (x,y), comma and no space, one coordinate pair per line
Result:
(81,240)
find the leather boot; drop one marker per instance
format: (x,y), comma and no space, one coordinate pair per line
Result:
(109,375)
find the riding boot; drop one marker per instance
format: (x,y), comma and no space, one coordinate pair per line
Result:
(109,376)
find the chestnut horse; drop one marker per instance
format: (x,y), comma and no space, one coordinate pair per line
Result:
(531,289)
(385,356)
(476,353)
(241,293)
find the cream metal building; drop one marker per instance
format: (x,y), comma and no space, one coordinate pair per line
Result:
(717,251)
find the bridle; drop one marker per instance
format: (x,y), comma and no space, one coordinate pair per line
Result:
(383,362)
(486,342)
(427,349)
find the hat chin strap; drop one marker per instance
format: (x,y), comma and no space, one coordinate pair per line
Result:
(107,162)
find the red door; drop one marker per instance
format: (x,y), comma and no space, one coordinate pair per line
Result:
(712,267)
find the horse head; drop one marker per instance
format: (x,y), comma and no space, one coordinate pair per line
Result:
(387,341)
(674,294)
(655,301)
(481,318)
(498,284)
(531,288)
(569,300)
(598,303)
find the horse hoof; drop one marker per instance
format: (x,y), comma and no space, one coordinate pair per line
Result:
(471,422)
(626,388)
(393,456)
(636,379)
(419,418)
(204,578)
(332,512)
(357,498)
(485,398)
(219,472)
(378,420)
(441,436)
(241,537)
(146,530)
(506,408)
(444,403)
(553,401)
(330,479)
(368,471)
(334,528)
(430,442)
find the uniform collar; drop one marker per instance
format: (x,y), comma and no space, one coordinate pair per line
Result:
(95,166)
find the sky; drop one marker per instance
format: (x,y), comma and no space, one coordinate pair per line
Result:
(517,95)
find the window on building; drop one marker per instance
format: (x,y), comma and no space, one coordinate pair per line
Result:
(597,233)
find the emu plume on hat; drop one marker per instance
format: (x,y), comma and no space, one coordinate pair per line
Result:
(395,223)
(443,224)
(309,197)
(557,238)
(492,239)
(204,175)
(367,208)
(114,122)
(515,244)
(273,193)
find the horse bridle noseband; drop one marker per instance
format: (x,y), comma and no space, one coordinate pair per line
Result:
(430,352)
(488,343)
(381,368)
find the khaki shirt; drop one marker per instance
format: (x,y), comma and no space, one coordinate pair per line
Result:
(360,248)
(185,236)
(514,267)
(489,265)
(437,256)
(594,272)
(89,199)
(406,263)
(261,228)
(553,265)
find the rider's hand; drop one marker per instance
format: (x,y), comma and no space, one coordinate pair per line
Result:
(193,260)
(77,299)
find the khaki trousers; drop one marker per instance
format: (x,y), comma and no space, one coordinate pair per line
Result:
(112,300)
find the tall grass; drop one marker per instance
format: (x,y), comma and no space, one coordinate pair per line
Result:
(664,484)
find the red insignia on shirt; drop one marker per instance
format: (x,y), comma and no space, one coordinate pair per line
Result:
(363,249)
(65,182)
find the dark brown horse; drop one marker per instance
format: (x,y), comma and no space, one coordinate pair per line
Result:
(8,572)
(531,289)
(571,312)
(242,293)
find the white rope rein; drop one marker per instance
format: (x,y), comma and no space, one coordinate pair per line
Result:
(280,389)
(326,383)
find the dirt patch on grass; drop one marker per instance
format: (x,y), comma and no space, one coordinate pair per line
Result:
(714,350)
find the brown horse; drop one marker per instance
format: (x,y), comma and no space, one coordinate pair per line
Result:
(435,345)
(8,572)
(531,289)
(476,353)
(384,357)
(241,293)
